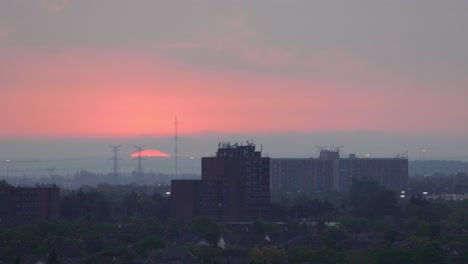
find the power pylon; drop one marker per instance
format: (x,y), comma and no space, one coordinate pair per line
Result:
(115,168)
(139,171)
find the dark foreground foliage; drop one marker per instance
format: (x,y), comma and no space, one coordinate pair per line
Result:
(132,224)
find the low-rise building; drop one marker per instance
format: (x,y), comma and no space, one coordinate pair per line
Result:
(20,205)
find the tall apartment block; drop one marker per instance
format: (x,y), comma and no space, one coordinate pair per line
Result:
(332,172)
(19,205)
(235,186)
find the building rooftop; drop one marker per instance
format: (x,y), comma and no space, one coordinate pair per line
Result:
(226,149)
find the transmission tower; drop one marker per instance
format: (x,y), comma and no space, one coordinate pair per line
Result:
(115,168)
(139,171)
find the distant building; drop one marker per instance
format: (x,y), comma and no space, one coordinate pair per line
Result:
(20,205)
(235,186)
(447,196)
(331,172)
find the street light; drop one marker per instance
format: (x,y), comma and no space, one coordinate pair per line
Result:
(424,162)
(7,168)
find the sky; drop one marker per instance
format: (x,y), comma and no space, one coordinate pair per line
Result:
(379,77)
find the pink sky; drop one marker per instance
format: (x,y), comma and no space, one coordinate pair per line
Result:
(125,92)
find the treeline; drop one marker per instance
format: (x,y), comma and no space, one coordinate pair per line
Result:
(368,224)
(366,207)
(285,207)
(439,183)
(106,202)
(366,199)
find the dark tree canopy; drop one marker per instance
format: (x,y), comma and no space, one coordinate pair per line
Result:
(366,198)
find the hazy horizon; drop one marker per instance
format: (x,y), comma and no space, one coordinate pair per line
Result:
(68,155)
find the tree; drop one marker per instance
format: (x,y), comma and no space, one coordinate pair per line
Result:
(429,254)
(259,228)
(300,255)
(268,255)
(131,204)
(206,227)
(390,237)
(101,208)
(4,183)
(278,211)
(429,211)
(148,243)
(335,233)
(67,208)
(321,255)
(463,258)
(52,257)
(366,198)
(391,256)
(355,224)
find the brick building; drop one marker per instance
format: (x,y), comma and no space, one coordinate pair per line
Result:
(235,186)
(28,204)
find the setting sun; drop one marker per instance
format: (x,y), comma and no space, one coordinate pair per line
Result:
(150,153)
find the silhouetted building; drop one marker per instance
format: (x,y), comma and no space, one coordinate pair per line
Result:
(20,205)
(330,172)
(235,186)
(183,197)
(301,174)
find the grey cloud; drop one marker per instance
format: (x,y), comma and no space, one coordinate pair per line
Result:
(425,38)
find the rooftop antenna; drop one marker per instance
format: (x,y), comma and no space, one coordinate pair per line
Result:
(175,150)
(337,148)
(139,149)
(115,168)
(322,148)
